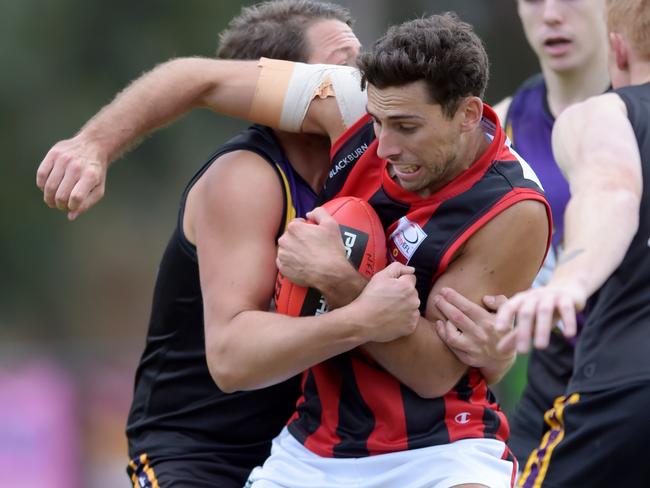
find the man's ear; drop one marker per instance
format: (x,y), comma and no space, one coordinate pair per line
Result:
(471,110)
(619,50)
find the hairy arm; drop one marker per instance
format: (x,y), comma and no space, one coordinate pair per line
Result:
(73,173)
(248,347)
(595,145)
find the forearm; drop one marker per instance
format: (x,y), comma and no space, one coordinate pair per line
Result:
(596,147)
(592,254)
(253,349)
(421,361)
(342,287)
(257,349)
(496,371)
(150,102)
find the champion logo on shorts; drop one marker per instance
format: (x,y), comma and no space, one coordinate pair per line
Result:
(405,240)
(462,418)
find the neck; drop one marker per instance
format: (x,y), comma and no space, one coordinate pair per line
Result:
(309,156)
(569,87)
(640,73)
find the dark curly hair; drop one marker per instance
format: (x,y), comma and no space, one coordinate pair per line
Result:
(439,49)
(276,29)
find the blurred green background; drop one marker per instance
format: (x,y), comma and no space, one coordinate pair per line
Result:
(75,297)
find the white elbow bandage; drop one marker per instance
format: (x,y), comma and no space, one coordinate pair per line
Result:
(285,90)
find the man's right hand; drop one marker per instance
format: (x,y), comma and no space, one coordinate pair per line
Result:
(536,311)
(389,304)
(72,176)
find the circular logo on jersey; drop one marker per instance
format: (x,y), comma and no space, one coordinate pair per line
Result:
(462,418)
(411,234)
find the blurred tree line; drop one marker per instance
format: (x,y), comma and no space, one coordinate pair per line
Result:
(83,289)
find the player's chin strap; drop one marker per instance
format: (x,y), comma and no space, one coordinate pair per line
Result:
(285,90)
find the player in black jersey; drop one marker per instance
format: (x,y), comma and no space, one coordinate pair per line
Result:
(182,429)
(599,428)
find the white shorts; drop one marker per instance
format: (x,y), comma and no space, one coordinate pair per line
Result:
(291,465)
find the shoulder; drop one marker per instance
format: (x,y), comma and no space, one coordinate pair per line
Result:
(518,218)
(237,185)
(240,168)
(533,82)
(596,120)
(595,139)
(257,139)
(507,251)
(533,88)
(598,106)
(522,227)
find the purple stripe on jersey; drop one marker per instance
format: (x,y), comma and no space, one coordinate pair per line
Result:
(530,125)
(530,480)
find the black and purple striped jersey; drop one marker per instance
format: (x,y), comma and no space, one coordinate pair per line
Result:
(528,125)
(613,348)
(598,432)
(351,407)
(178,413)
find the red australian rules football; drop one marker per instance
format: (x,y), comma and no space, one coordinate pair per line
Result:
(365,246)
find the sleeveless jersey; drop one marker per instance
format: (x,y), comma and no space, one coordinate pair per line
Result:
(178,410)
(351,407)
(614,348)
(529,124)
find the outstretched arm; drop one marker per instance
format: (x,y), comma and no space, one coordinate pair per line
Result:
(595,145)
(73,173)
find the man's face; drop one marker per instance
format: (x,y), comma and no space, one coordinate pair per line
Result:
(420,143)
(565,34)
(332,42)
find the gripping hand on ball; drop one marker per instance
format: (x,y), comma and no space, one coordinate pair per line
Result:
(389,304)
(309,254)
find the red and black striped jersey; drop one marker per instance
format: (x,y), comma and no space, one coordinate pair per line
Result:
(351,407)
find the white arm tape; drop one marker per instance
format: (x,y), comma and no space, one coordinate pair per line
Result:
(309,81)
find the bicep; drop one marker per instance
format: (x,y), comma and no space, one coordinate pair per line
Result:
(230,86)
(502,258)
(235,236)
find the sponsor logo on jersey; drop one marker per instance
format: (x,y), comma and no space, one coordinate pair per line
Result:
(346,160)
(405,240)
(462,418)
